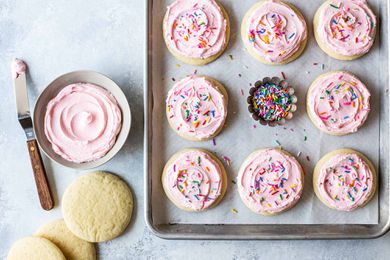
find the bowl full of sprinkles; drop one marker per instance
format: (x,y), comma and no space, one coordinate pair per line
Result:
(272,101)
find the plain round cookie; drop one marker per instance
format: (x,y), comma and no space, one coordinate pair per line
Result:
(298,194)
(71,246)
(221,89)
(309,108)
(253,53)
(330,155)
(35,248)
(212,156)
(200,61)
(323,45)
(97,206)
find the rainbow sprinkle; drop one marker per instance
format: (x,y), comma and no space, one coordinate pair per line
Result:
(272,184)
(227,160)
(273,35)
(193,27)
(345,25)
(346,181)
(195,183)
(340,95)
(271,102)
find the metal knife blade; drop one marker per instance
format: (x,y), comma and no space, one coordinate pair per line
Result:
(22,105)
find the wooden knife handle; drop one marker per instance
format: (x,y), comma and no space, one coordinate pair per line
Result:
(44,192)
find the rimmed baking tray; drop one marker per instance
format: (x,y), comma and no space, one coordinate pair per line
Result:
(235,69)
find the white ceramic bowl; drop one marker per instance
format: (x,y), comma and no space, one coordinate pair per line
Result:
(54,88)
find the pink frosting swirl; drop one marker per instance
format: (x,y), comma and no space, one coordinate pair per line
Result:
(275,31)
(196,108)
(339,103)
(82,122)
(193,180)
(347,27)
(345,182)
(195,28)
(270,181)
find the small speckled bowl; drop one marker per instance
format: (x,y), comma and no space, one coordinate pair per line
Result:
(271,118)
(54,88)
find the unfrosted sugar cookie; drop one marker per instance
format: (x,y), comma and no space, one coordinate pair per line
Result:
(196,108)
(274,32)
(270,181)
(344,180)
(345,29)
(97,206)
(71,246)
(194,180)
(34,248)
(338,103)
(196,31)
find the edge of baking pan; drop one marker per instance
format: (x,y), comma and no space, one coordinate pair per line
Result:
(257,232)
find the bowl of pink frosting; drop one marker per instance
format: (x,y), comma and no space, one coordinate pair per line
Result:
(82,119)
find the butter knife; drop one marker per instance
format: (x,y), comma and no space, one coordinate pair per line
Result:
(23,110)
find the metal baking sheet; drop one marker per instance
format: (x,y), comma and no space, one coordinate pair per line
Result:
(236,69)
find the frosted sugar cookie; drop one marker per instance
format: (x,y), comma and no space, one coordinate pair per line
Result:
(194,180)
(338,103)
(196,31)
(344,180)
(97,206)
(345,29)
(274,32)
(71,246)
(34,248)
(270,181)
(196,108)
